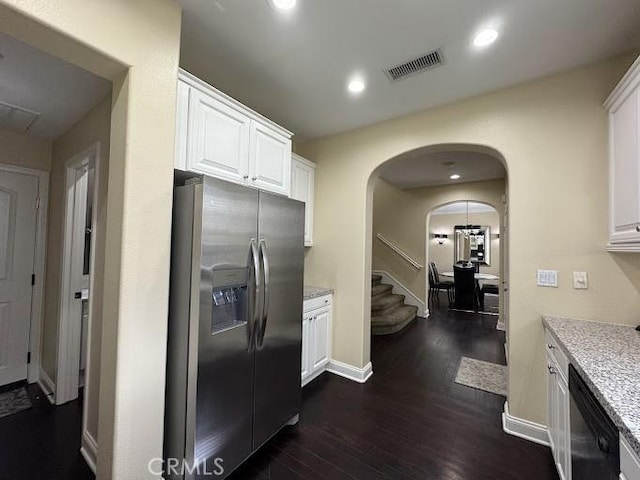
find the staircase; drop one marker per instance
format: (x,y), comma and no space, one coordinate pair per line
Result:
(389,314)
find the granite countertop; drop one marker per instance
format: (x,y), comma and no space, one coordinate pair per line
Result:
(607,357)
(315,292)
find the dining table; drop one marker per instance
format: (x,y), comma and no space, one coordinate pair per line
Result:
(477,276)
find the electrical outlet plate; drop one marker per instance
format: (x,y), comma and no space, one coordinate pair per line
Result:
(580,281)
(547,278)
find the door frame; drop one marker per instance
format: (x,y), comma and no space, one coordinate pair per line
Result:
(69,342)
(39,259)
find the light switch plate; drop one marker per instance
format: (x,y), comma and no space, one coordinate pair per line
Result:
(580,281)
(547,278)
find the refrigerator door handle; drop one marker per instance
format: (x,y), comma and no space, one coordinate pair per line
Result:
(264,257)
(255,314)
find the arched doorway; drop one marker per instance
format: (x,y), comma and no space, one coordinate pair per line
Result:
(430,165)
(442,234)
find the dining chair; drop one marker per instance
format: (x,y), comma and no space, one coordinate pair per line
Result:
(435,286)
(466,295)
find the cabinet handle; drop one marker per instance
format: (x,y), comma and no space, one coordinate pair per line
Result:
(255,178)
(552,370)
(245,176)
(550,347)
(637,228)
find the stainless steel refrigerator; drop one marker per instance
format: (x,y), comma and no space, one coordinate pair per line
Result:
(235,324)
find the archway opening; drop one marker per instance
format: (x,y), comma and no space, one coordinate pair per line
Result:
(402,195)
(465,232)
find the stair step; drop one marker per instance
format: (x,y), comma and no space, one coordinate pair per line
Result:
(394,321)
(384,302)
(376,279)
(380,289)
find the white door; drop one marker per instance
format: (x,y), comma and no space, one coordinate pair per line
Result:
(270,160)
(72,350)
(80,250)
(504,244)
(218,139)
(320,329)
(18,196)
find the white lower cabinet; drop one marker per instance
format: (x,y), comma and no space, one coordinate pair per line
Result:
(558,403)
(316,337)
(629,462)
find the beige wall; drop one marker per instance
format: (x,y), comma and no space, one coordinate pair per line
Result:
(553,135)
(136,45)
(24,151)
(401,216)
(94,127)
(442,255)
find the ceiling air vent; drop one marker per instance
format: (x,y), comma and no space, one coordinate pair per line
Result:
(415,66)
(17,119)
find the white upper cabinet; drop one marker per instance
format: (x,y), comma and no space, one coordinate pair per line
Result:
(271,160)
(623,106)
(218,139)
(219,136)
(302,188)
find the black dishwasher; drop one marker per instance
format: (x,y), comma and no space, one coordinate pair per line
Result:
(595,448)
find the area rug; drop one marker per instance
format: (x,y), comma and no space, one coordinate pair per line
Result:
(14,401)
(486,376)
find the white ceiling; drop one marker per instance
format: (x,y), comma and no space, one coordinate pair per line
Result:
(34,80)
(461,208)
(419,169)
(294,67)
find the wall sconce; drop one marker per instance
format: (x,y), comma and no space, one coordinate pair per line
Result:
(440,238)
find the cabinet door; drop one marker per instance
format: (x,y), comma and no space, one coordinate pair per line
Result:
(302,189)
(552,406)
(306,347)
(182,126)
(321,340)
(218,139)
(563,445)
(270,160)
(629,461)
(625,171)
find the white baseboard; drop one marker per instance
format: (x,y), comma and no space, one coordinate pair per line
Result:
(519,427)
(501,325)
(360,375)
(409,297)
(89,450)
(47,386)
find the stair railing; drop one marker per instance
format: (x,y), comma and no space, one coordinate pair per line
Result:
(398,251)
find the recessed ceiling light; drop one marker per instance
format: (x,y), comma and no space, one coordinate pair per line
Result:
(485,38)
(455,176)
(356,85)
(283,4)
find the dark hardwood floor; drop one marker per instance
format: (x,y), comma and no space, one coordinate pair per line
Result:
(43,442)
(410,420)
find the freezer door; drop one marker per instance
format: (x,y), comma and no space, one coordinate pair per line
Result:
(228,290)
(279,336)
